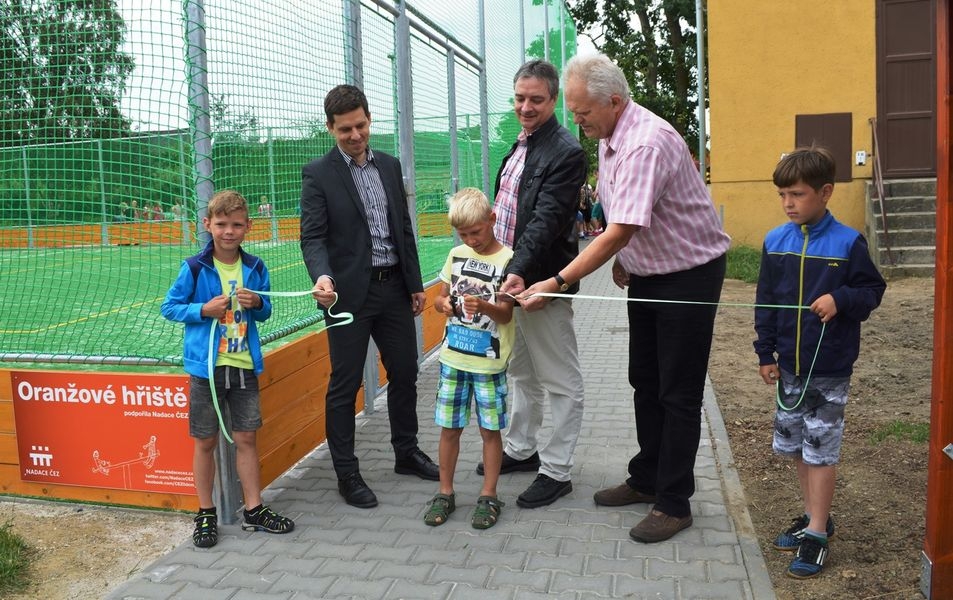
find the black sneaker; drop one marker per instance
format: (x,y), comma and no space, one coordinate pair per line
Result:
(265,519)
(544,490)
(510,464)
(789,539)
(809,560)
(205,534)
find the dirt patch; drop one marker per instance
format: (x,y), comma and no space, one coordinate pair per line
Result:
(881,486)
(84,552)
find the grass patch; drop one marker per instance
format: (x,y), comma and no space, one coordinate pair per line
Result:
(744,263)
(918,433)
(15,558)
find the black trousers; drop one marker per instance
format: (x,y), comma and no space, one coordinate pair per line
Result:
(669,345)
(388,318)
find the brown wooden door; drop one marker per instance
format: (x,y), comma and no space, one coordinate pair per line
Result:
(906,87)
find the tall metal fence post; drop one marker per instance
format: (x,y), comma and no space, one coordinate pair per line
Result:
(186,194)
(452,121)
(227,492)
(562,56)
(272,189)
(405,125)
(353,53)
(104,227)
(200,121)
(484,103)
(522,33)
(29,209)
(546,32)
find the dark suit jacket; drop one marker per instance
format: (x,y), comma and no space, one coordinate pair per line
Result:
(335,238)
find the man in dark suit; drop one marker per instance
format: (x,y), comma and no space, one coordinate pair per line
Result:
(358,243)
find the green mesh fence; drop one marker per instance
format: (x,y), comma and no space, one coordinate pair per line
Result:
(112,137)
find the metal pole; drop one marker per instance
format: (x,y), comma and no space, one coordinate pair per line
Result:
(104,228)
(353,53)
(405,123)
(522,33)
(199,117)
(186,196)
(227,492)
(29,210)
(562,56)
(272,191)
(484,110)
(700,42)
(545,31)
(452,118)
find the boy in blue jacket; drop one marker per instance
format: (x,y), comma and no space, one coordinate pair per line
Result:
(809,353)
(213,289)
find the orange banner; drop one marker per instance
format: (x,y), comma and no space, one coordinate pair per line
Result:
(128,432)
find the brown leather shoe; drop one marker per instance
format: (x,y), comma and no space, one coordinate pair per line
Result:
(658,527)
(621,495)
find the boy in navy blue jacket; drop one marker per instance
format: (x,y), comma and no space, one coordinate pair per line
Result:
(213,289)
(809,353)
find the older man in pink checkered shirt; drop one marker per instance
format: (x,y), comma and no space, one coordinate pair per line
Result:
(669,245)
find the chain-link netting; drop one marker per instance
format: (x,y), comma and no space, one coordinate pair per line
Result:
(119,118)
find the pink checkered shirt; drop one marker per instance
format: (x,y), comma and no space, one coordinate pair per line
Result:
(506,198)
(647,178)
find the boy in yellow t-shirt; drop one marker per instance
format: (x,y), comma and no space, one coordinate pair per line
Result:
(474,354)
(213,289)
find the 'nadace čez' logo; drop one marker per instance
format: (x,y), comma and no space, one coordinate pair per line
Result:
(41,459)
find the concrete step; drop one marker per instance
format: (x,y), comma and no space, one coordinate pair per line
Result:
(910,238)
(906,187)
(905,204)
(905,221)
(907,255)
(899,271)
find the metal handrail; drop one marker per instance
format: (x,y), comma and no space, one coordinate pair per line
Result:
(879,184)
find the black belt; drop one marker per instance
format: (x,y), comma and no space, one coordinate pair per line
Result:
(382,273)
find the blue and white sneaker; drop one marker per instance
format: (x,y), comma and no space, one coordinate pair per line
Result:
(790,538)
(809,560)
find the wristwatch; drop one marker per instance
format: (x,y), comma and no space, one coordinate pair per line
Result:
(563,286)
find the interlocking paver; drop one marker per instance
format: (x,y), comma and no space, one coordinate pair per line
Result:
(572,549)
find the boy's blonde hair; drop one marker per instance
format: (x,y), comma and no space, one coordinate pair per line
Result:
(468,207)
(226,202)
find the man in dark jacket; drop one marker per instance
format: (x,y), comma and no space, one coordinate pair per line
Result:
(536,200)
(357,239)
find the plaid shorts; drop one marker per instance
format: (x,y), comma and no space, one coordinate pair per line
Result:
(814,427)
(454,391)
(237,392)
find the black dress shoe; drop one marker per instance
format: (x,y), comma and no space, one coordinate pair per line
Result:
(419,464)
(355,491)
(544,490)
(510,464)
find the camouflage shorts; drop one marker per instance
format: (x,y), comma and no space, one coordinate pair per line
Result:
(810,424)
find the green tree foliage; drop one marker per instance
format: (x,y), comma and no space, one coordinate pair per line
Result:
(62,71)
(658,56)
(230,126)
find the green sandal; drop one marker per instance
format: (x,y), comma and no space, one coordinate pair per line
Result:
(486,513)
(440,508)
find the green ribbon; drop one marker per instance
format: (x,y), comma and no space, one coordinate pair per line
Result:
(346,319)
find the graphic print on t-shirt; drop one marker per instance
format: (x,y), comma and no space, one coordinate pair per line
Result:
(473,334)
(233,343)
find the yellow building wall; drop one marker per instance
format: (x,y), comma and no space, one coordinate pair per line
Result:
(770,60)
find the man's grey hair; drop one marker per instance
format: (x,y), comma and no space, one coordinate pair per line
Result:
(542,70)
(602,77)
